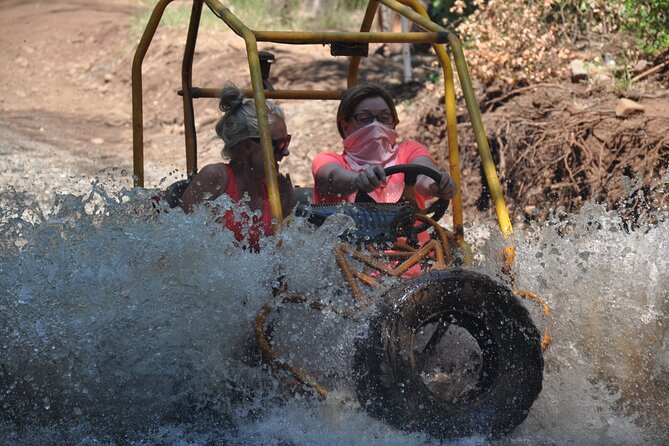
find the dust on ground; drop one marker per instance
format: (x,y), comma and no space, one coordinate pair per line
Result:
(65,101)
(65,106)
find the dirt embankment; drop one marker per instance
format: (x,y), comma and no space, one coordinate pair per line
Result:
(65,110)
(563,144)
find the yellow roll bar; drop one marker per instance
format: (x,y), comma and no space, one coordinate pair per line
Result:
(411,9)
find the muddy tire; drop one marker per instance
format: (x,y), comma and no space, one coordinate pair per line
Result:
(451,353)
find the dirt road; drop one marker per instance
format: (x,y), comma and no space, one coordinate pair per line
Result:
(65,99)
(65,108)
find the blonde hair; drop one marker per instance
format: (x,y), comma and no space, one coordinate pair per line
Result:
(240,121)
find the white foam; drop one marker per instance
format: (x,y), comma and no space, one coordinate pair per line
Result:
(120,324)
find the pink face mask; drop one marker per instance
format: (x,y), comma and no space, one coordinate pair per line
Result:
(373,144)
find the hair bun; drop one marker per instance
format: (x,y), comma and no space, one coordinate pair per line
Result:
(231,98)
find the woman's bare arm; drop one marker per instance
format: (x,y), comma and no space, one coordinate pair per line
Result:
(334,179)
(208,184)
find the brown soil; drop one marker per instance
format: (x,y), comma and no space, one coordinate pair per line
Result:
(65,109)
(560,145)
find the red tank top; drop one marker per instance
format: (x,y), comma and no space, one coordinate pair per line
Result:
(260,226)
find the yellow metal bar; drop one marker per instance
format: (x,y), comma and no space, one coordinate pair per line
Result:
(441,235)
(198,92)
(354,64)
(546,339)
(451,128)
(360,297)
(186,83)
(137,110)
(453,147)
(417,256)
(301,94)
(269,162)
(323,38)
(271,357)
(481,140)
(474,115)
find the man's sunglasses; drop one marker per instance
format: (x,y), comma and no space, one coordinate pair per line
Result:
(279,145)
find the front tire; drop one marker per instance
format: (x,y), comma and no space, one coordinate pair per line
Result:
(452,353)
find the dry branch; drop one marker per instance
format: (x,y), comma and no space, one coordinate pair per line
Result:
(552,155)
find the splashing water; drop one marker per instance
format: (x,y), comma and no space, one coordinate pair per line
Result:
(123,325)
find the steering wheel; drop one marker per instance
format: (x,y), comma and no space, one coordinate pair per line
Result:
(411,171)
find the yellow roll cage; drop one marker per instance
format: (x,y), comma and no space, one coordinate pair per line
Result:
(411,9)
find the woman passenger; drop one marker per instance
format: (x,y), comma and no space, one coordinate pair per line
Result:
(244,173)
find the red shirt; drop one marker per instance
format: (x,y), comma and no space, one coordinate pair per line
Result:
(406,152)
(260,226)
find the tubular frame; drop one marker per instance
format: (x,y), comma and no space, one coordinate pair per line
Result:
(411,9)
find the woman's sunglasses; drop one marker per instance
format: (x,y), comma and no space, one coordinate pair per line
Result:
(364,118)
(280,145)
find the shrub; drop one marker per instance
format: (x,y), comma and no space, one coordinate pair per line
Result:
(521,41)
(648,20)
(512,41)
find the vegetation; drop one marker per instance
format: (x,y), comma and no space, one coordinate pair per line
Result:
(648,20)
(268,14)
(520,41)
(510,42)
